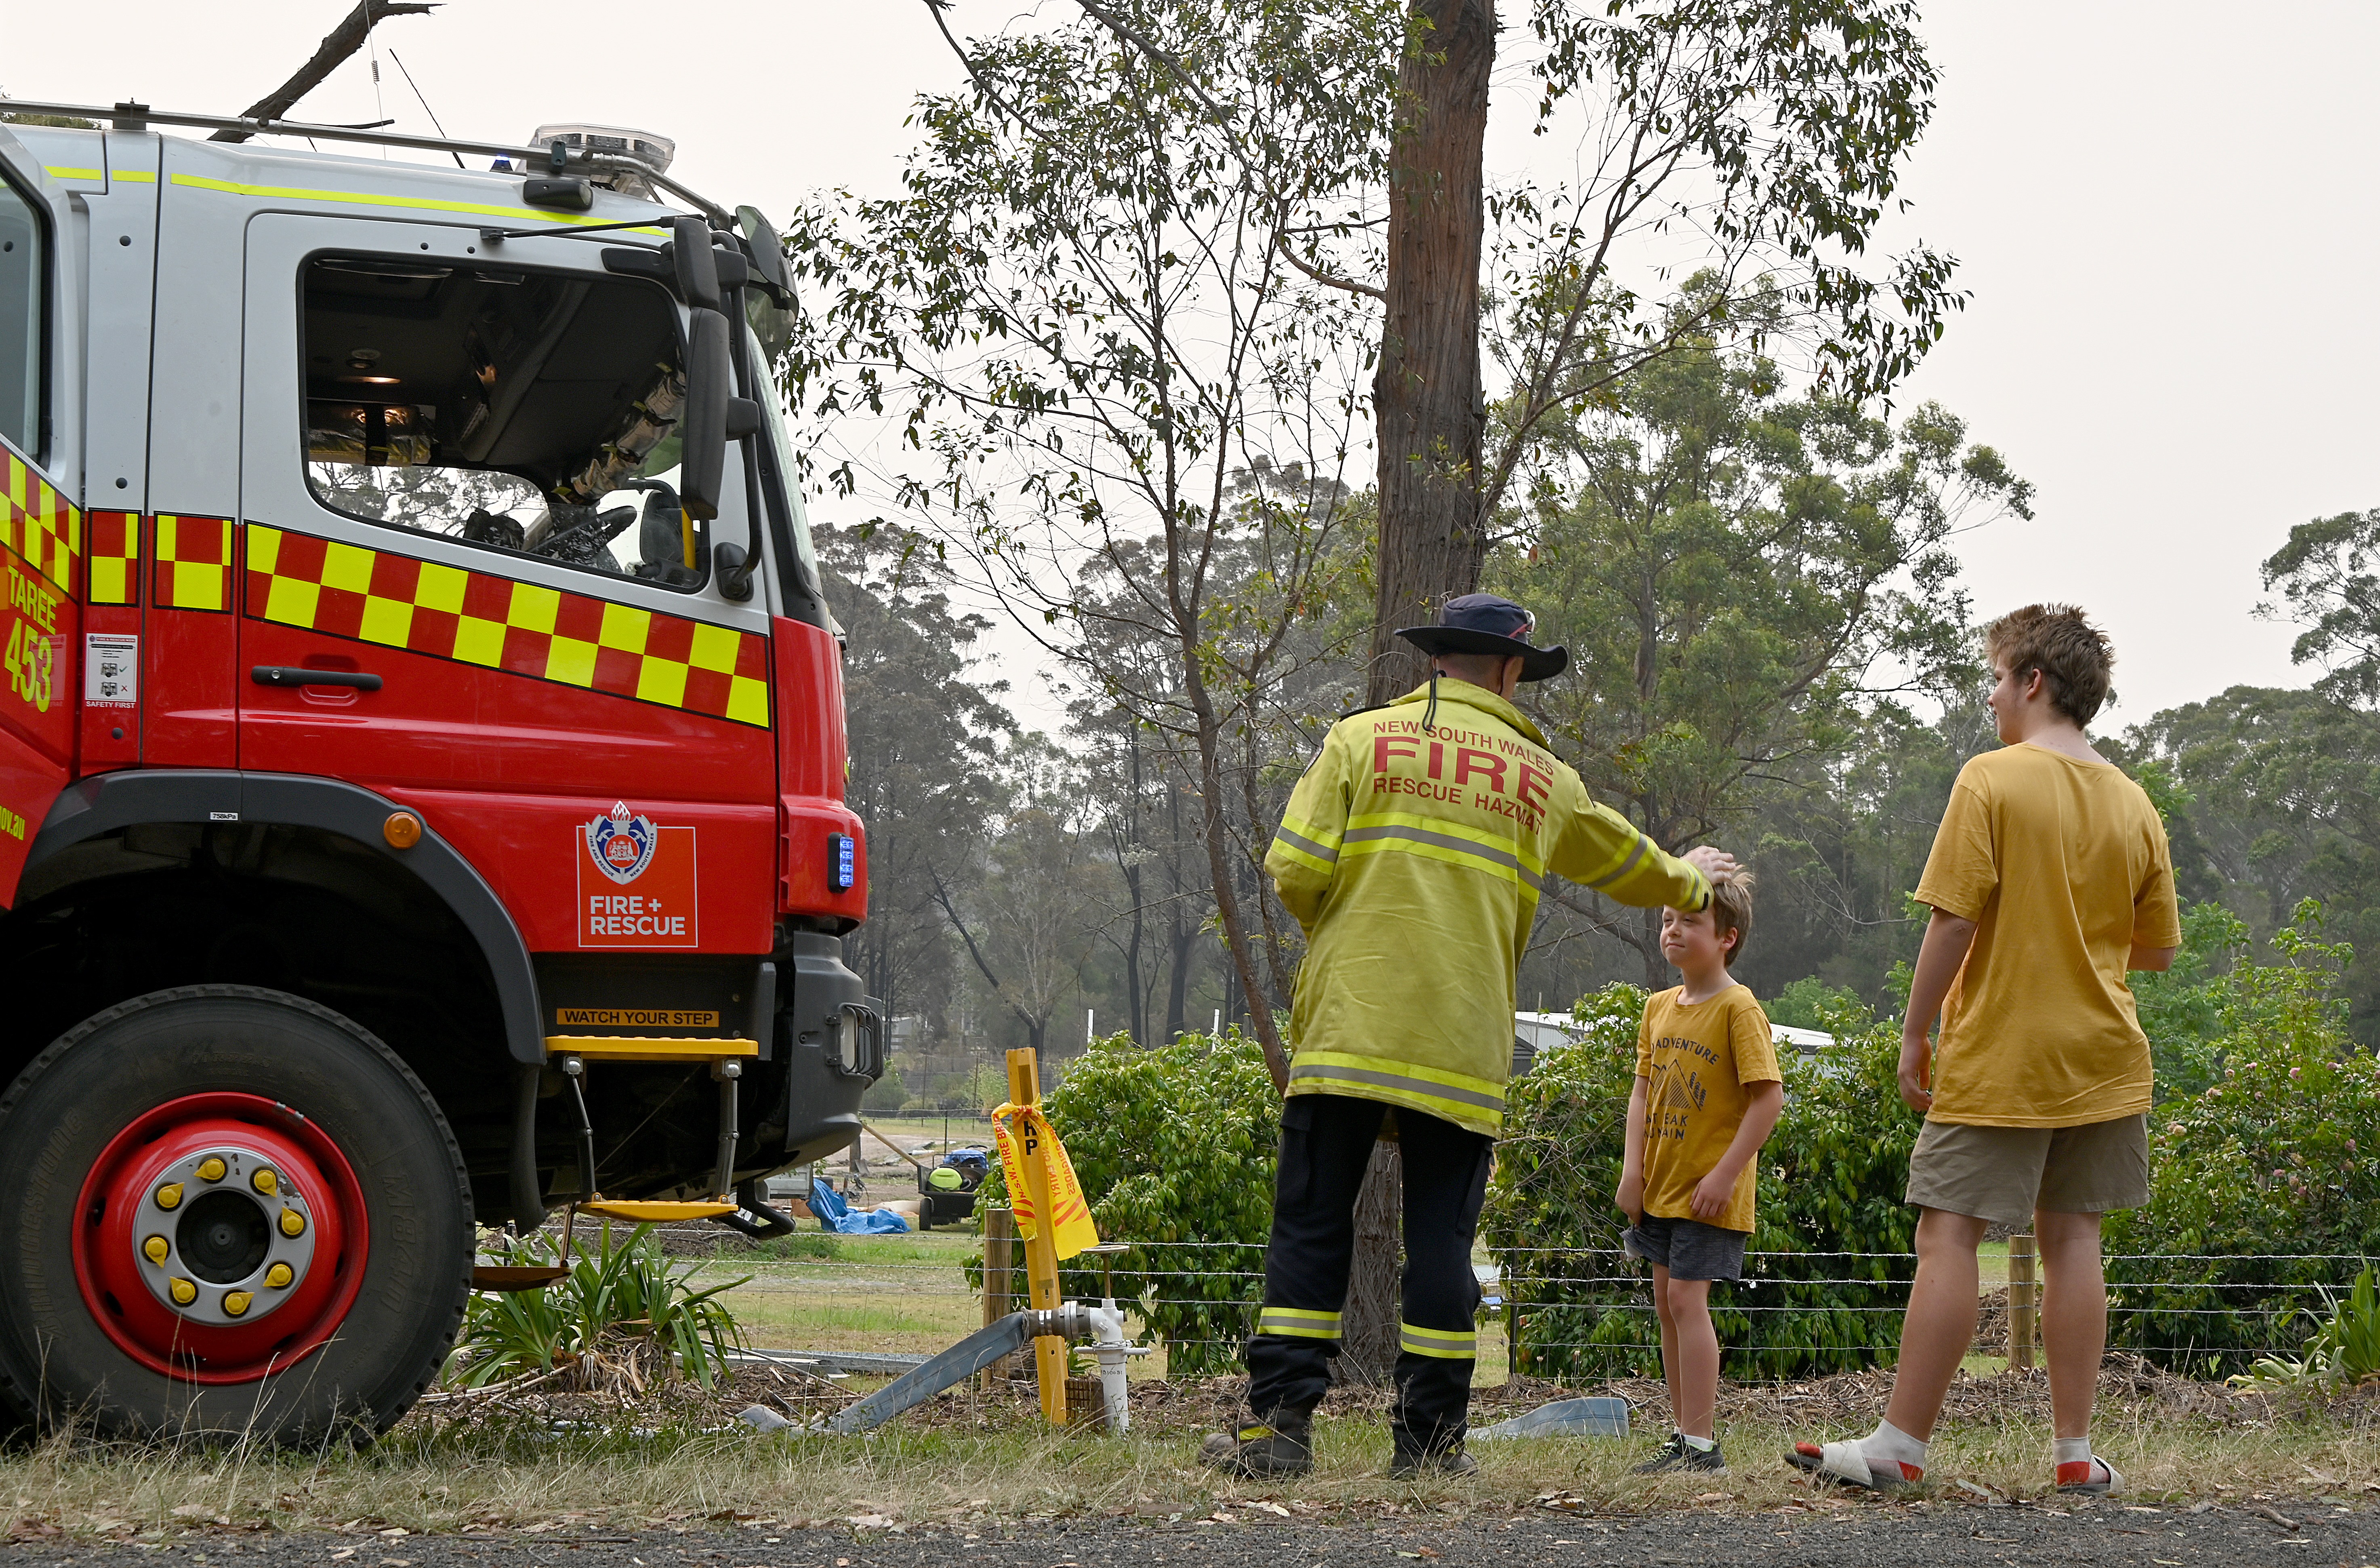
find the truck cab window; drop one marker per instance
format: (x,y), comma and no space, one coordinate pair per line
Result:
(24,256)
(528,412)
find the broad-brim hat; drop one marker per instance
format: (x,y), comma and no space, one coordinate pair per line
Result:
(1481,623)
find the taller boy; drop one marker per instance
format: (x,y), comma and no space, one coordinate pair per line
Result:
(2049,879)
(1411,853)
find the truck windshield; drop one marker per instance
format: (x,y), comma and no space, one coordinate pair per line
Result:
(513,409)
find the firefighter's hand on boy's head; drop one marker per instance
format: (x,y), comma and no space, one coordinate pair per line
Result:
(1917,1072)
(1631,1195)
(1715,864)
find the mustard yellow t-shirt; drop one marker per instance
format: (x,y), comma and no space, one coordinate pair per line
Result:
(1698,1062)
(2062,865)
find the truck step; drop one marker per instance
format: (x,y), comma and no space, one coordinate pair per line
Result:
(650,1048)
(643,1213)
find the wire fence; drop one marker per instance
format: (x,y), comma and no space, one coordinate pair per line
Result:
(1588,1313)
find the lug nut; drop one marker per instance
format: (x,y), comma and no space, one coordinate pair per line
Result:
(182,1291)
(292,1222)
(170,1195)
(211,1169)
(279,1276)
(157,1251)
(235,1302)
(265,1181)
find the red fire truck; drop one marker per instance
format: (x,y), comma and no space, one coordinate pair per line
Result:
(421,753)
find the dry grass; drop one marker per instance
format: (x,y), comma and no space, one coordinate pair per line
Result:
(531,1465)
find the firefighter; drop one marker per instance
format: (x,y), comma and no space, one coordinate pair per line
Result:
(1411,853)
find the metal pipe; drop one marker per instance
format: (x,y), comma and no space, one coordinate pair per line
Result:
(574,1072)
(727,1073)
(528,1198)
(1071,1321)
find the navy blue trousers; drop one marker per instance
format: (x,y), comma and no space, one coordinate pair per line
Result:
(1326,1142)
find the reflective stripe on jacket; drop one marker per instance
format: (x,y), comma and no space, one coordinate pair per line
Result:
(1413,858)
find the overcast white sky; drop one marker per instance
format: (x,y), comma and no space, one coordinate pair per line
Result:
(2165,214)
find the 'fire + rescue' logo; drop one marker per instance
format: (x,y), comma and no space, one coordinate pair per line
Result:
(622,844)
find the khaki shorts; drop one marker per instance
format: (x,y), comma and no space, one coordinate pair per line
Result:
(2005,1173)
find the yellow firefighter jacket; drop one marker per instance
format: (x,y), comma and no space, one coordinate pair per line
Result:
(1413,858)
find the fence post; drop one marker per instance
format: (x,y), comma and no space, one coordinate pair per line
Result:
(998,1279)
(2023,1304)
(1516,1359)
(1041,1248)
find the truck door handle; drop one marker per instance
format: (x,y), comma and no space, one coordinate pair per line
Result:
(281,674)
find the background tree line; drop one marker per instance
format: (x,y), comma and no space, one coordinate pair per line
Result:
(1103,364)
(1748,669)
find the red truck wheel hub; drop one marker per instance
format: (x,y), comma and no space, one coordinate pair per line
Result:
(220,1237)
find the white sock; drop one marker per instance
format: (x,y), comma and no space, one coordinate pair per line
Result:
(2069,1451)
(1889,1444)
(1700,1445)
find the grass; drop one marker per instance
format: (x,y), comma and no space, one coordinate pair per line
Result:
(988,1458)
(872,1292)
(852,1321)
(940,1246)
(458,1476)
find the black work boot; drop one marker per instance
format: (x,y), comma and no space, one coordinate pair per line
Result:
(1261,1450)
(1411,1465)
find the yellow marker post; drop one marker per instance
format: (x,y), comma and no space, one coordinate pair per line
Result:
(1041,1244)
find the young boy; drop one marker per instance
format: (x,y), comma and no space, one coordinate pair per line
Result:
(1706,1098)
(2049,879)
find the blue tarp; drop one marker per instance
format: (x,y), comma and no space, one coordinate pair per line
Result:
(844,1221)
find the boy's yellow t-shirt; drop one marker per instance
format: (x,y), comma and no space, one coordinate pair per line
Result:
(2062,864)
(1698,1060)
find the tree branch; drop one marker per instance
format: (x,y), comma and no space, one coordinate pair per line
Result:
(332,52)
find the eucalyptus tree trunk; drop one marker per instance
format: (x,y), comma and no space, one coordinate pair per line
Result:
(1429,405)
(1430,413)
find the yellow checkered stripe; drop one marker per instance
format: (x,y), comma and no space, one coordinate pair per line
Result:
(1298,1323)
(378,596)
(1447,1344)
(37,522)
(112,571)
(193,562)
(1450,1096)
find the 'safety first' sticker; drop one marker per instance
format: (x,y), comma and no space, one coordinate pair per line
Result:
(636,882)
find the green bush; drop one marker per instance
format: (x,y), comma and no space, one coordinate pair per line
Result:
(2274,1156)
(886,1094)
(2182,1009)
(1808,1003)
(1831,1182)
(1175,1148)
(623,1315)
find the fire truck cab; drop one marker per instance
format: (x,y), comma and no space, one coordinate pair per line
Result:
(422,752)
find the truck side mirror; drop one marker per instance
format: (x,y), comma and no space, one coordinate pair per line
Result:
(697,270)
(709,388)
(768,256)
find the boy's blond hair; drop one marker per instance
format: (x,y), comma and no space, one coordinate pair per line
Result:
(1731,909)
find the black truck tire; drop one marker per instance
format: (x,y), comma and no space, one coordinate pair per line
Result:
(318,1193)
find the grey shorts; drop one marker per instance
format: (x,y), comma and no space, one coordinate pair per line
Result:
(2005,1173)
(1687,1248)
